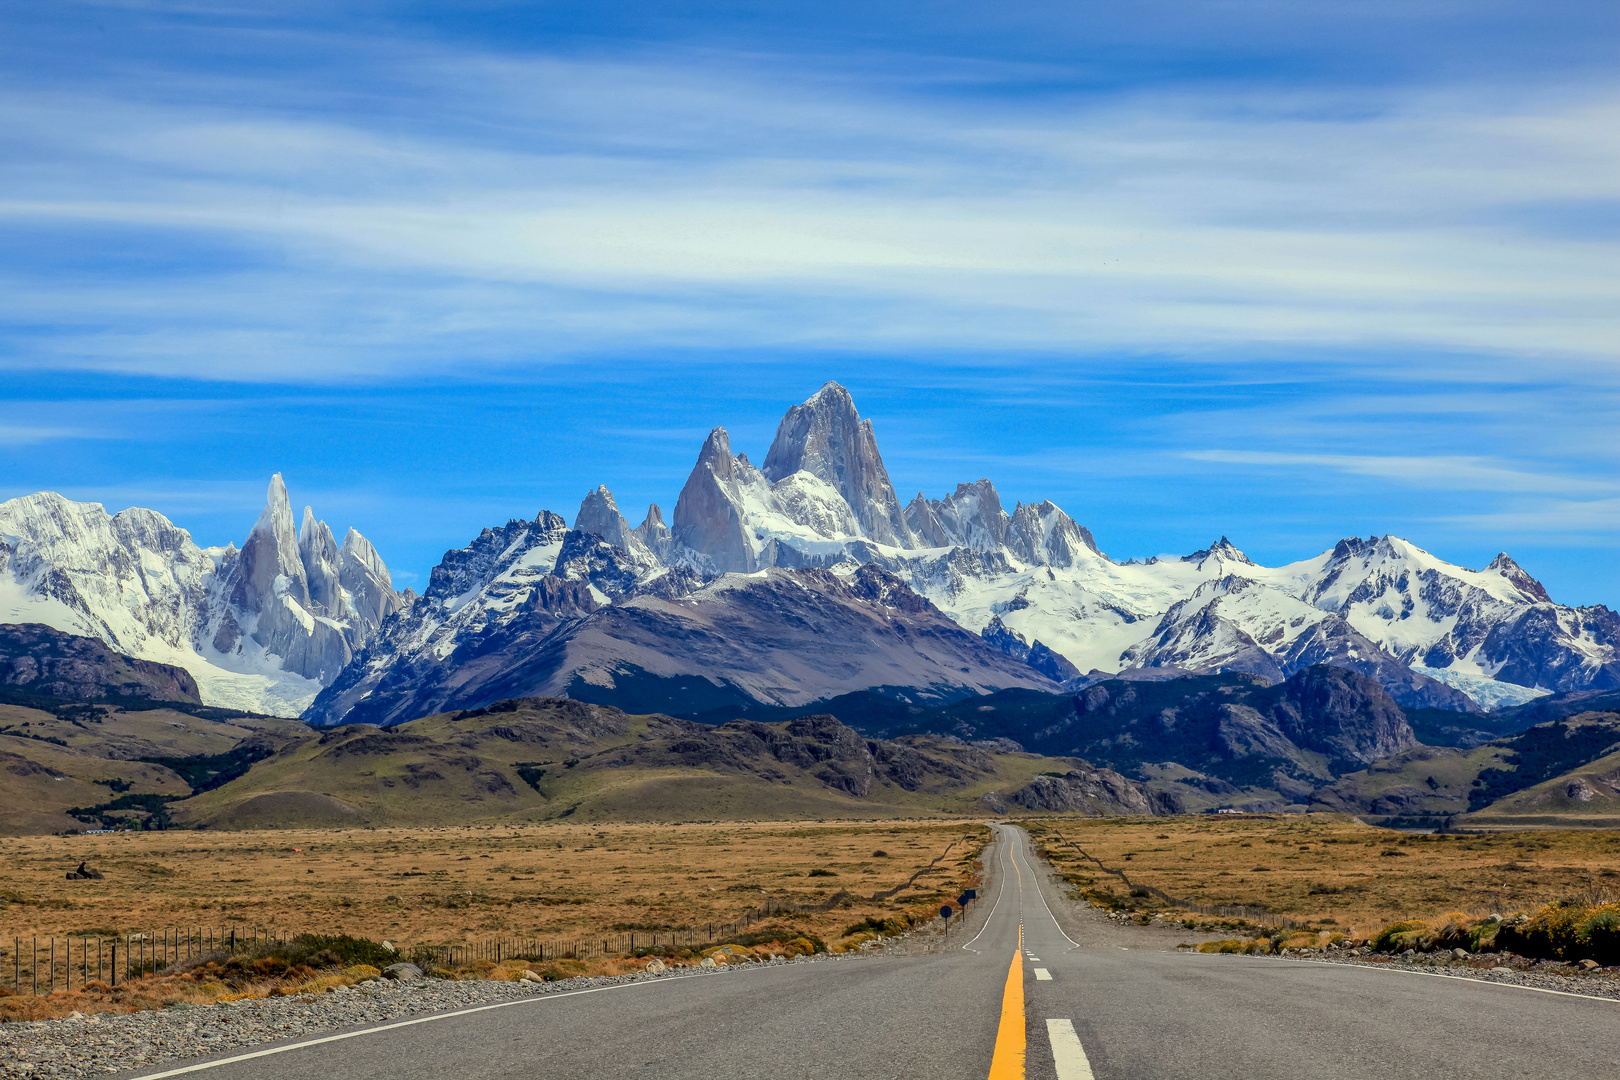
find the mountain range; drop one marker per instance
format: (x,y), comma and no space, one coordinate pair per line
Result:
(784,584)
(261,628)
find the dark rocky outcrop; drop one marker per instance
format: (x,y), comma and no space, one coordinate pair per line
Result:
(38,661)
(1036,655)
(1341,713)
(1094,792)
(1231,728)
(784,637)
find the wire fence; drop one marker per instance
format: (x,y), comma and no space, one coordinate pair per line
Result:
(588,947)
(46,964)
(43,965)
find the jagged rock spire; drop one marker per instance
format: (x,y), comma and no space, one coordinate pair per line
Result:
(827,438)
(599,515)
(706,518)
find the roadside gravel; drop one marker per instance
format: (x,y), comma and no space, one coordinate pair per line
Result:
(1603,984)
(106,1044)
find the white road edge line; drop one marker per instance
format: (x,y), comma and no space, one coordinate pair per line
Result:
(1001,887)
(1458,978)
(1055,924)
(200,1066)
(1042,975)
(1068,1056)
(1431,975)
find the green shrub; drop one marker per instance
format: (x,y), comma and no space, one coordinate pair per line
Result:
(892,925)
(1402,936)
(559,969)
(1567,932)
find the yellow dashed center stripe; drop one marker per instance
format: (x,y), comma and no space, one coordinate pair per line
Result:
(1008,1060)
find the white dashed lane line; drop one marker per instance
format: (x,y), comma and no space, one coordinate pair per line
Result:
(1068,1056)
(1042,975)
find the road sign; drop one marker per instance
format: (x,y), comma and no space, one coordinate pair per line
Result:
(967,894)
(945,911)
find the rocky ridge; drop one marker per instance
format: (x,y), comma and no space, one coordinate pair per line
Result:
(37,661)
(261,628)
(294,614)
(1032,583)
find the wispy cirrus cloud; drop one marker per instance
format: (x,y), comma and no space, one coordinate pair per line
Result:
(22,434)
(543,208)
(1447,472)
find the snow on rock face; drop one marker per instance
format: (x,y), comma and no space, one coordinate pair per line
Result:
(826,438)
(731,519)
(503,577)
(259,629)
(1044,535)
(269,625)
(708,516)
(972,517)
(1378,605)
(133,579)
(599,515)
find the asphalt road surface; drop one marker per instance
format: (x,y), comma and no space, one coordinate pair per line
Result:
(1030,986)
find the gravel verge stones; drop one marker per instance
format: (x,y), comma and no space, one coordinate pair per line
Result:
(85,1046)
(1592,985)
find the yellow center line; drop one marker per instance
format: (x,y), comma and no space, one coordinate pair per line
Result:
(1007,1063)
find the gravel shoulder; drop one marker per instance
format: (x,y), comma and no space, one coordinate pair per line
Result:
(141,1042)
(1559,977)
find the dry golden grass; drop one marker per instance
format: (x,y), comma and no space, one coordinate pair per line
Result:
(456,885)
(1333,871)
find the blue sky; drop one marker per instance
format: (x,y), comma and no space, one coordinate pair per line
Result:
(1282,271)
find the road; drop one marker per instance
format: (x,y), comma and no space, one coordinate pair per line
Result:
(1030,987)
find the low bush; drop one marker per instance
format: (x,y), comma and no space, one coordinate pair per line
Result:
(1567,932)
(1402,936)
(555,970)
(805,946)
(892,925)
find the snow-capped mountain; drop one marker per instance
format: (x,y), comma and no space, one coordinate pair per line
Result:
(294,611)
(535,604)
(262,628)
(1433,633)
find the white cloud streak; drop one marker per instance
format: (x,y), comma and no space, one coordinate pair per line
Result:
(588,206)
(1441,472)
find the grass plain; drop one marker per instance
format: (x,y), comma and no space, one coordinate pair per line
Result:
(454,885)
(1332,870)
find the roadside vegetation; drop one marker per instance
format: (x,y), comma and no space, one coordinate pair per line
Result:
(1329,882)
(424,890)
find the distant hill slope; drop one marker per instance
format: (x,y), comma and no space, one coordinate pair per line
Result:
(37,661)
(548,758)
(1213,740)
(127,761)
(1511,776)
(1588,795)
